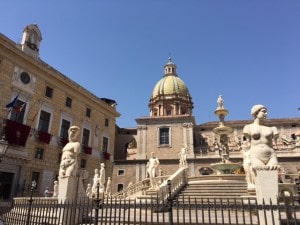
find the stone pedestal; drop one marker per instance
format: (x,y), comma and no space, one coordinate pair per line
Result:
(67,195)
(267,192)
(67,189)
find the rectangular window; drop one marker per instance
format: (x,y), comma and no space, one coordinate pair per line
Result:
(85,137)
(69,102)
(105,144)
(120,187)
(121,172)
(88,112)
(106,122)
(18,111)
(164,136)
(35,176)
(44,121)
(39,153)
(65,125)
(49,92)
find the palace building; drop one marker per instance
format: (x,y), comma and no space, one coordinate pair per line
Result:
(38,105)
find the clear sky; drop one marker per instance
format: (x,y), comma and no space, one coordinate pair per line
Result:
(247,51)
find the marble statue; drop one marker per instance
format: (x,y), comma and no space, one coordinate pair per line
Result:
(260,138)
(263,161)
(108,187)
(153,164)
(69,164)
(220,102)
(249,172)
(88,191)
(95,182)
(55,189)
(182,156)
(102,178)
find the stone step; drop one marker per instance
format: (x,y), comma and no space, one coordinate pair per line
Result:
(217,184)
(217,187)
(212,191)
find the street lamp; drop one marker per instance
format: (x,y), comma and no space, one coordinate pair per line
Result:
(33,185)
(3,142)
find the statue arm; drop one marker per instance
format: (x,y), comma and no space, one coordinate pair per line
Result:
(275,133)
(247,134)
(77,147)
(157,161)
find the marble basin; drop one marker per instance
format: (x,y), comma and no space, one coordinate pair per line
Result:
(225,168)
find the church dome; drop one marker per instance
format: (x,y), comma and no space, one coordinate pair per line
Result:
(170,85)
(170,95)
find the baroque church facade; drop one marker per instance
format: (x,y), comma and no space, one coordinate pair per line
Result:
(171,126)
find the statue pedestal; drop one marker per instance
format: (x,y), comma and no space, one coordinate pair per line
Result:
(67,189)
(67,195)
(267,192)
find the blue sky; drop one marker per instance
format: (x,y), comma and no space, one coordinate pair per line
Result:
(248,51)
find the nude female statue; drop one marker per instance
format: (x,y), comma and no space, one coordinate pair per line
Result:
(152,165)
(259,138)
(68,164)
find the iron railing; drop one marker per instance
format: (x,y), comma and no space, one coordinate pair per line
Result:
(123,211)
(205,211)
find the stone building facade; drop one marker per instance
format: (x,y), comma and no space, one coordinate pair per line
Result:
(42,103)
(171,126)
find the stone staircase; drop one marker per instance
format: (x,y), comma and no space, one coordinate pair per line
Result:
(213,190)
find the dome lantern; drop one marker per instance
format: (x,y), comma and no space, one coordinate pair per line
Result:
(170,68)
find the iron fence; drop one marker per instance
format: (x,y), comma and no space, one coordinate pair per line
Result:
(48,211)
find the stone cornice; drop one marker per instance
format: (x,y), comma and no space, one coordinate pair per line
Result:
(165,119)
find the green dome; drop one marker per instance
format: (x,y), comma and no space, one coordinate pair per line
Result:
(169,85)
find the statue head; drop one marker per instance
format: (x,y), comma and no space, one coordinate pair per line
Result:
(73,133)
(256,109)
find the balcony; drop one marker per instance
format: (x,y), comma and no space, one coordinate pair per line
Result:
(87,150)
(43,136)
(16,133)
